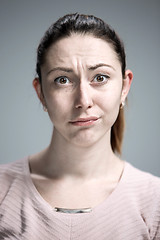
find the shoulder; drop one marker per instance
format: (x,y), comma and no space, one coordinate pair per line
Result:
(10,170)
(140,184)
(143,190)
(141,179)
(10,175)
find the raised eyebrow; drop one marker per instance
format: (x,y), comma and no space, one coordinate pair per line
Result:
(60,69)
(68,70)
(100,65)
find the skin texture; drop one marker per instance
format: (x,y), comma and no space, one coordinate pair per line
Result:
(82,89)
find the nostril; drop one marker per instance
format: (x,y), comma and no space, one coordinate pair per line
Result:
(82,106)
(78,106)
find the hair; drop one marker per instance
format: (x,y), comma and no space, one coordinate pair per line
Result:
(86,24)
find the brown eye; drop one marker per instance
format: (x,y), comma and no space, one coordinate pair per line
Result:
(62,80)
(101,79)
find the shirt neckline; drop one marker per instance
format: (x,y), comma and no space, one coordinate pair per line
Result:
(37,196)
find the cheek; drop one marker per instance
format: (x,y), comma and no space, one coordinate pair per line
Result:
(110,101)
(58,106)
(110,107)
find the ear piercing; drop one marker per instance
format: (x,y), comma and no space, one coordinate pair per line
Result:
(45,109)
(123,102)
(122,105)
(123,93)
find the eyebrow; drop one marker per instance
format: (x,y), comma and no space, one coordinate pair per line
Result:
(60,69)
(100,65)
(94,67)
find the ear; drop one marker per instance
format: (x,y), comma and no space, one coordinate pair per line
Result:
(37,86)
(126,84)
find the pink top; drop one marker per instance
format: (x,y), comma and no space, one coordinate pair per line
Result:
(131,212)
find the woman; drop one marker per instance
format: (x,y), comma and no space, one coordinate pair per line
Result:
(78,187)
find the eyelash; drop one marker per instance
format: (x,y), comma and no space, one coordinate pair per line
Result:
(101,75)
(57,80)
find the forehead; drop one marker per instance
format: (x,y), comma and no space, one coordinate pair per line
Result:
(86,49)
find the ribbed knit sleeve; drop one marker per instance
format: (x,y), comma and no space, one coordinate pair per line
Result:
(144,191)
(154,209)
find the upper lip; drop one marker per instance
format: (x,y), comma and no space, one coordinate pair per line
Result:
(84,119)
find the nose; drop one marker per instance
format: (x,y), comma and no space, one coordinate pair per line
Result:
(83,98)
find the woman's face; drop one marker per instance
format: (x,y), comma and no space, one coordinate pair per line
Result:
(82,88)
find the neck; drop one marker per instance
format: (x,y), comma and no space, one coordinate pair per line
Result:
(64,159)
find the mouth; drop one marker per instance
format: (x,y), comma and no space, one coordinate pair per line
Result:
(84,121)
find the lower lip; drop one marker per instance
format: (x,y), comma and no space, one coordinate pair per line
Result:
(84,123)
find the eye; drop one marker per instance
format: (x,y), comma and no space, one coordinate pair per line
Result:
(62,80)
(100,78)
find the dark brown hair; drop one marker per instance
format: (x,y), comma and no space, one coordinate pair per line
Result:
(86,24)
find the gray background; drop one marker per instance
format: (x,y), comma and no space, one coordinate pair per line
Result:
(25,128)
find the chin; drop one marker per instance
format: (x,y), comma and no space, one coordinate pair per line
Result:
(87,141)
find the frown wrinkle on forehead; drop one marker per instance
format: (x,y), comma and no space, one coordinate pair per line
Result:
(90,68)
(79,53)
